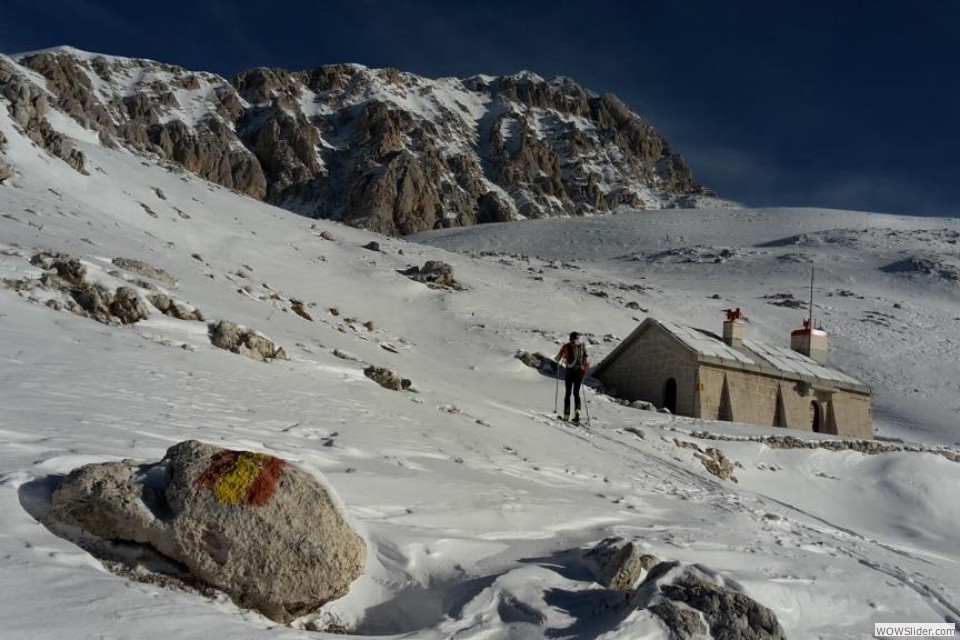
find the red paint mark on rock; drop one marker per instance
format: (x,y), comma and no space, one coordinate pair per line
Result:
(265,483)
(236,477)
(220,465)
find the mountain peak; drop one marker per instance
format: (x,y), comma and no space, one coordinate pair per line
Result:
(382,148)
(525,75)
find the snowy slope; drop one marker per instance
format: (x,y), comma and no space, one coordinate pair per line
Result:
(887,288)
(474,502)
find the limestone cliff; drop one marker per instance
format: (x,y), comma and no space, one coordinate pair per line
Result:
(380,148)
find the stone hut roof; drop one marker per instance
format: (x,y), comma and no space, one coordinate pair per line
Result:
(754,356)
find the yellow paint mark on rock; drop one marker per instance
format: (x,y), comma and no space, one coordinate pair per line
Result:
(232,486)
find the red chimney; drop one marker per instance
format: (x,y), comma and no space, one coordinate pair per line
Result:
(733,327)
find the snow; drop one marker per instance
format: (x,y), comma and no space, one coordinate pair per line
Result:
(128,77)
(705,345)
(786,359)
(73,52)
(70,127)
(473,500)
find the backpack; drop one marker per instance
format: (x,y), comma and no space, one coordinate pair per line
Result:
(576,355)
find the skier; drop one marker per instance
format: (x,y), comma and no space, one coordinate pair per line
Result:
(574,356)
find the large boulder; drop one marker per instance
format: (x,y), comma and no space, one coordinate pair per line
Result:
(232,337)
(127,306)
(537,361)
(386,378)
(435,274)
(718,464)
(438,273)
(175,308)
(532,360)
(618,564)
(67,267)
(256,527)
(689,602)
(681,623)
(6,171)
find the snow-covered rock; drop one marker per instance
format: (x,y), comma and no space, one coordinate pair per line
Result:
(683,595)
(252,525)
(233,337)
(618,564)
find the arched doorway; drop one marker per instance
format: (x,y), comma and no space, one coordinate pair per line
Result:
(670,395)
(815,419)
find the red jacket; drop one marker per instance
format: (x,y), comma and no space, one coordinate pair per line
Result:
(569,355)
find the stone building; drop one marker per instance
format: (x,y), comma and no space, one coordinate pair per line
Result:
(696,373)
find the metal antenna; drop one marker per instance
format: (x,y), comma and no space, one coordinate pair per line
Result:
(810,320)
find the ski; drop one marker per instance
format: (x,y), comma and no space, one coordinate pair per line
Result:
(558,418)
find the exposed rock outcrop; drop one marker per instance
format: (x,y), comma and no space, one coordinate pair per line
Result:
(690,603)
(397,198)
(133,115)
(297,307)
(175,308)
(384,149)
(6,171)
(127,306)
(232,337)
(286,147)
(386,378)
(211,151)
(681,623)
(682,595)
(27,105)
(94,301)
(618,564)
(537,361)
(435,274)
(63,279)
(254,526)
(438,273)
(532,360)
(66,266)
(718,464)
(72,89)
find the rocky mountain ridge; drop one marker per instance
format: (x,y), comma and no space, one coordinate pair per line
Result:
(380,148)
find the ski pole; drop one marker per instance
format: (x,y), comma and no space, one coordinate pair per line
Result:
(556,394)
(586,405)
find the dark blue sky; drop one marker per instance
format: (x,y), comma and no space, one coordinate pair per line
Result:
(839,103)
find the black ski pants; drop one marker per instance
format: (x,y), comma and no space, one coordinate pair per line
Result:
(573,380)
